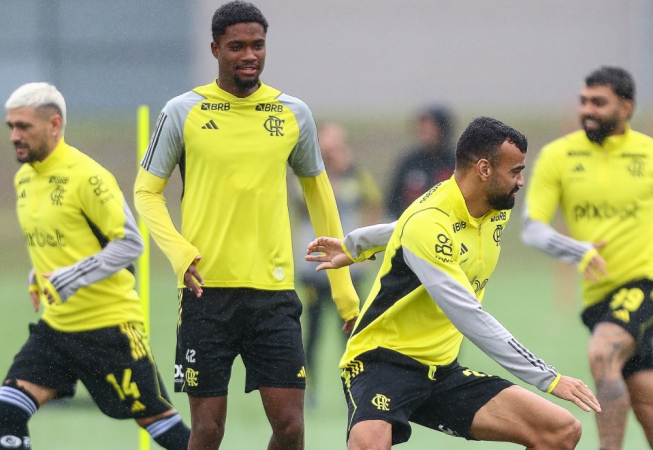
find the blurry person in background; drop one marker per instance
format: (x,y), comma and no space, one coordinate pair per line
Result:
(82,240)
(426,164)
(360,203)
(601,177)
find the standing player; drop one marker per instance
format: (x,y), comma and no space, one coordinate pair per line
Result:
(233,140)
(602,177)
(400,364)
(82,240)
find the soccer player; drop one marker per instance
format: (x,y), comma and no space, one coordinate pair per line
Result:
(400,364)
(602,178)
(82,240)
(233,139)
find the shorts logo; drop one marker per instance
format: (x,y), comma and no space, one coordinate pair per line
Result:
(179,372)
(137,407)
(381,402)
(302,373)
(191,377)
(10,441)
(448,431)
(274,126)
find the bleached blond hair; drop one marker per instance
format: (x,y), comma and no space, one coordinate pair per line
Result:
(39,95)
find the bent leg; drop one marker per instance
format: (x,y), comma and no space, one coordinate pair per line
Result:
(167,430)
(370,435)
(522,417)
(19,401)
(207,418)
(640,387)
(609,349)
(284,408)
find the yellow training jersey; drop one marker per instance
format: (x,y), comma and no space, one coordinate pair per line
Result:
(70,208)
(430,286)
(605,192)
(233,155)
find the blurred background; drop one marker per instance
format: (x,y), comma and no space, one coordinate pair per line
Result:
(372,66)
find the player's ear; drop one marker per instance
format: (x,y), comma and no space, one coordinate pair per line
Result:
(627,108)
(55,122)
(214,49)
(483,169)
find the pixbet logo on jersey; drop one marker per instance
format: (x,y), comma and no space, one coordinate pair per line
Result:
(605,210)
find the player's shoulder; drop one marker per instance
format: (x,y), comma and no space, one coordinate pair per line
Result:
(640,139)
(295,104)
(83,166)
(185,101)
(433,209)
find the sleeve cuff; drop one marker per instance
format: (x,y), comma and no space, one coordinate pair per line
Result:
(585,260)
(553,384)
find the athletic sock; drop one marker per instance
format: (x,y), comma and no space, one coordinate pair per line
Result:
(170,433)
(16,408)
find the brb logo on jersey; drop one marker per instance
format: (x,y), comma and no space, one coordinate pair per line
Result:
(216,106)
(274,126)
(269,107)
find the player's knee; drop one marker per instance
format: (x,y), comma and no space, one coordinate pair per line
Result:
(290,427)
(603,361)
(208,428)
(566,434)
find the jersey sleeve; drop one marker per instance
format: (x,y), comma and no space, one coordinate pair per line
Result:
(305,159)
(542,200)
(363,243)
(429,251)
(324,216)
(151,205)
(167,142)
(109,217)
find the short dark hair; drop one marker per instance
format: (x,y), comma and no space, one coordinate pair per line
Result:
(482,139)
(618,79)
(236,12)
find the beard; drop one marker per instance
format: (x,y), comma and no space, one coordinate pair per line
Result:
(605,129)
(500,201)
(32,155)
(245,84)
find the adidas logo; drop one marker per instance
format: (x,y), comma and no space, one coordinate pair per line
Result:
(578,168)
(23,194)
(463,249)
(210,125)
(137,407)
(302,373)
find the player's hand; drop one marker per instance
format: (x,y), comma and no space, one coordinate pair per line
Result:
(36,300)
(46,291)
(192,278)
(349,326)
(578,393)
(596,267)
(332,256)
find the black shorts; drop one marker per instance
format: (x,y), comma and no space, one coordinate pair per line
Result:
(115,364)
(385,385)
(262,327)
(631,307)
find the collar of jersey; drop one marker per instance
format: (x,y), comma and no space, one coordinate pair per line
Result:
(460,207)
(617,141)
(212,90)
(58,154)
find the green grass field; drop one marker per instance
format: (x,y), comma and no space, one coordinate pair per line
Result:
(521,295)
